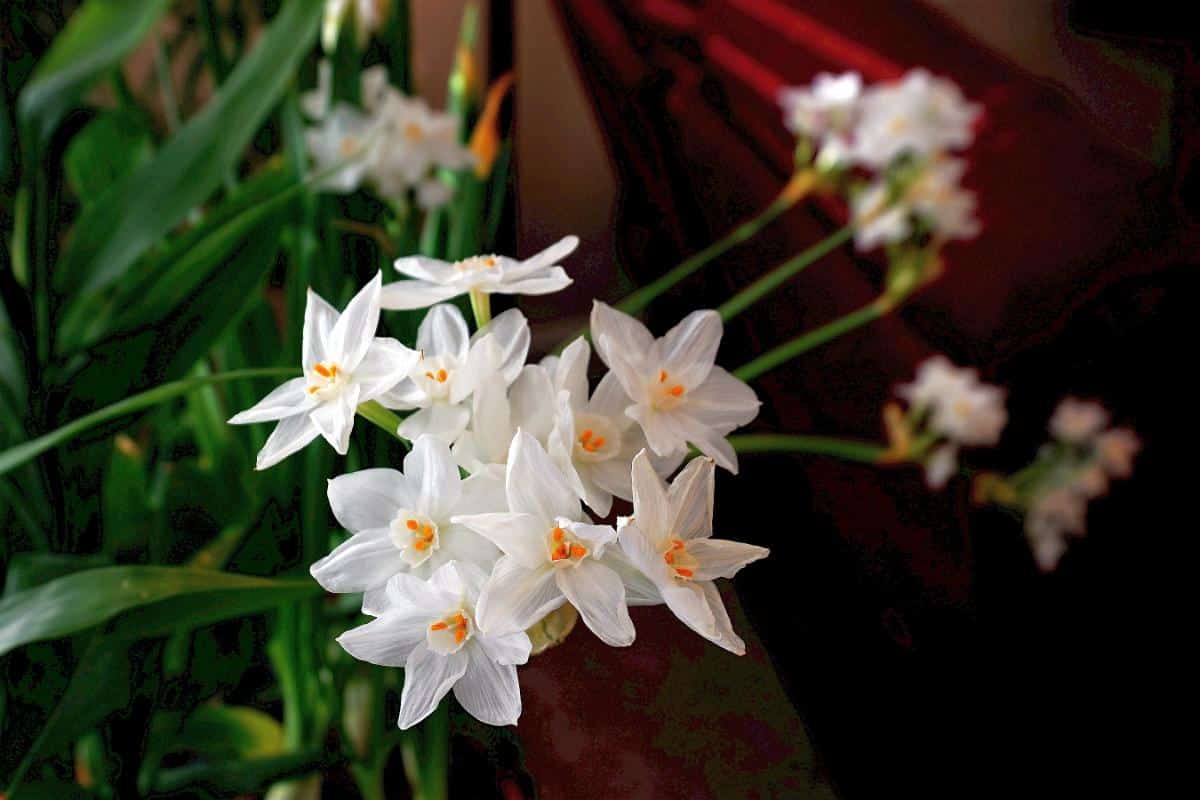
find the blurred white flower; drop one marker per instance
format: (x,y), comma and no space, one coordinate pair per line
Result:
(1055,515)
(414,140)
(452,366)
(367,16)
(1115,450)
(1078,421)
(676,393)
(346,136)
(669,540)
(551,554)
(400,521)
(934,202)
(919,115)
(961,408)
(374,87)
(345,364)
(824,113)
(434,281)
(430,629)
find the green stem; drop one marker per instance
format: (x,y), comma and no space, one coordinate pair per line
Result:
(805,342)
(381,417)
(481,306)
(212,41)
(162,73)
(782,273)
(848,449)
(16,456)
(436,767)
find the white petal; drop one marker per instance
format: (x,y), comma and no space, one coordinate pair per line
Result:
(387,640)
(717,447)
(428,677)
(553,280)
(570,373)
(510,333)
(610,398)
(385,365)
(407,295)
(534,485)
(404,396)
(335,419)
(688,350)
(725,637)
(687,602)
(663,436)
(515,597)
(488,691)
(369,498)
(285,400)
(691,500)
(427,269)
(364,561)
(443,332)
(469,578)
(354,331)
(291,434)
(460,543)
(492,428)
(521,536)
(531,399)
(599,595)
(651,508)
(623,333)
(640,589)
(722,558)
(547,258)
(433,476)
(443,421)
(319,319)
(408,594)
(723,401)
(483,362)
(627,366)
(482,493)
(596,537)
(509,648)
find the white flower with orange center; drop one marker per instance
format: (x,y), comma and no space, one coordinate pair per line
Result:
(414,142)
(452,365)
(552,555)
(400,521)
(345,136)
(434,281)
(429,628)
(669,541)
(344,364)
(677,394)
(824,113)
(935,203)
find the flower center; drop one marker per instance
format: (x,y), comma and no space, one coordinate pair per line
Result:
(681,562)
(435,374)
(476,263)
(564,548)
(413,131)
(415,536)
(325,380)
(666,392)
(598,439)
(349,145)
(448,634)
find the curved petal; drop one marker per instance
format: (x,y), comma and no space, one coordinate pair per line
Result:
(285,400)
(410,294)
(427,269)
(385,365)
(651,507)
(596,537)
(291,434)
(510,333)
(491,421)
(387,640)
(553,280)
(725,637)
(688,603)
(354,331)
(614,330)
(570,373)
(515,597)
(722,558)
(521,536)
(369,498)
(482,493)
(404,396)
(610,398)
(663,437)
(629,371)
(610,477)
(640,589)
(481,365)
(688,350)
(723,401)
(599,595)
(691,499)
(443,332)
(335,419)
(428,677)
(534,485)
(509,648)
(643,553)
(365,560)
(546,258)
(319,319)
(433,477)
(443,421)
(460,543)
(489,691)
(531,399)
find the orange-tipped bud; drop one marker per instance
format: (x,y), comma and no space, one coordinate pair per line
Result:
(485,139)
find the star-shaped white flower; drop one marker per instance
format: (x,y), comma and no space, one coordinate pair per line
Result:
(551,554)
(345,364)
(676,393)
(593,441)
(400,522)
(435,281)
(668,539)
(414,141)
(935,202)
(345,136)
(824,113)
(452,365)
(430,629)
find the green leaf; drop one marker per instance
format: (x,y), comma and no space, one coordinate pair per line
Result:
(231,732)
(159,599)
(143,207)
(243,777)
(97,36)
(109,148)
(26,570)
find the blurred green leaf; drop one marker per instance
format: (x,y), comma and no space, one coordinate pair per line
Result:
(227,732)
(245,776)
(26,570)
(124,499)
(109,148)
(139,210)
(160,599)
(97,36)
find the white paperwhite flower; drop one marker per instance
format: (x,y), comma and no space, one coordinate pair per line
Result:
(345,364)
(676,393)
(430,629)
(347,136)
(934,202)
(1055,515)
(552,555)
(669,540)
(1078,421)
(435,281)
(1115,451)
(414,140)
(824,113)
(498,411)
(374,87)
(368,17)
(400,521)
(960,407)
(920,115)
(593,441)
(452,365)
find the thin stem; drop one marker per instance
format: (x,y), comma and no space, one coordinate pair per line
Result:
(481,305)
(212,41)
(805,342)
(162,73)
(381,417)
(848,449)
(782,273)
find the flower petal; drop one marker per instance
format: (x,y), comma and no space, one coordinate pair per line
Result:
(515,597)
(443,421)
(319,319)
(407,295)
(610,398)
(443,332)
(285,400)
(521,536)
(531,399)
(570,373)
(722,558)
(428,677)
(691,500)
(615,331)
(723,401)
(433,477)
(427,269)
(687,602)
(534,485)
(489,691)
(546,258)
(369,498)
(387,640)
(365,560)
(335,419)
(640,588)
(510,334)
(688,350)
(509,648)
(553,280)
(354,331)
(291,434)
(491,422)
(651,507)
(385,365)
(598,593)
(404,396)
(725,637)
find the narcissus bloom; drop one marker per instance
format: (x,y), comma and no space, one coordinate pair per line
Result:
(1078,421)
(429,628)
(552,555)
(413,142)
(824,114)
(918,116)
(345,135)
(400,521)
(451,367)
(669,540)
(344,364)
(435,281)
(676,393)
(934,202)
(498,411)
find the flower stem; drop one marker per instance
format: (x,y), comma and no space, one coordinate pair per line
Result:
(814,338)
(799,186)
(848,449)
(381,417)
(481,306)
(782,273)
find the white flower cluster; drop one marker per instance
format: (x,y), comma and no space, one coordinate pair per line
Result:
(455,569)
(394,143)
(900,135)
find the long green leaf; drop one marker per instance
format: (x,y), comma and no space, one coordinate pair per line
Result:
(97,36)
(163,598)
(144,206)
(16,456)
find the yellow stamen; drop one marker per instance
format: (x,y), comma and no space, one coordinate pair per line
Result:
(687,573)
(559,553)
(420,544)
(438,626)
(412,525)
(323,371)
(578,551)
(557,534)
(662,376)
(441,376)
(460,634)
(675,391)
(412,131)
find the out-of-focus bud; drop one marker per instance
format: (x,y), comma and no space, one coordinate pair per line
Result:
(367,16)
(485,139)
(552,629)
